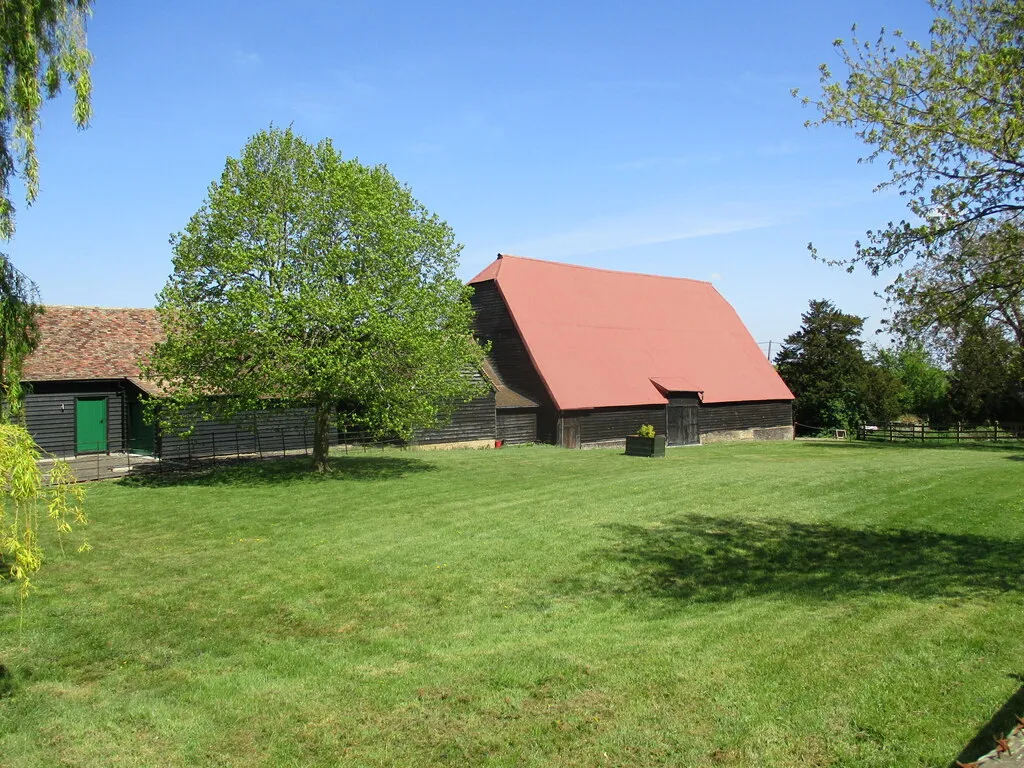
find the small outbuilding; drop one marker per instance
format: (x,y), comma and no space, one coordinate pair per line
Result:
(83,383)
(584,356)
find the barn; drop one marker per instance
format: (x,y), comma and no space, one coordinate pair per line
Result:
(84,394)
(582,357)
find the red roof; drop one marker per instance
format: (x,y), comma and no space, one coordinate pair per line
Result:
(92,343)
(601,338)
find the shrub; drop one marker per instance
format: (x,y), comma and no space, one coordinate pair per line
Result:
(646,430)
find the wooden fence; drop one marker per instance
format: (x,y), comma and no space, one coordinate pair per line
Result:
(954,434)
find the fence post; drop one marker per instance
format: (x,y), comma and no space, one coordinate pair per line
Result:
(213,439)
(995,432)
(958,433)
(922,432)
(890,431)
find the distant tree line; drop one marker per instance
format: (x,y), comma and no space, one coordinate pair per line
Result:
(976,375)
(945,114)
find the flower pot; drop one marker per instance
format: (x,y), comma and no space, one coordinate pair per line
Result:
(645,446)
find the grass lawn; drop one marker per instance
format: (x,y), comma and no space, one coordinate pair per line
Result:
(789,604)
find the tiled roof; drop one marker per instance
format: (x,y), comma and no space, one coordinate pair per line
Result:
(601,338)
(92,343)
(504,396)
(83,343)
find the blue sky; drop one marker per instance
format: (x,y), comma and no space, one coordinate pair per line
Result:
(648,136)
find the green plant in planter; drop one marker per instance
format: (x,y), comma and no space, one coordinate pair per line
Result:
(645,442)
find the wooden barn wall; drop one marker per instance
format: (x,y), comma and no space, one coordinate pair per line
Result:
(517,426)
(471,421)
(267,431)
(53,427)
(718,417)
(512,362)
(616,423)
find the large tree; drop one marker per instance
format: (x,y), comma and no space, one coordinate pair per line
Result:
(979,280)
(309,279)
(42,45)
(948,118)
(986,375)
(823,364)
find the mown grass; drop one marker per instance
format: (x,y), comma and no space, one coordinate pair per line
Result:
(803,604)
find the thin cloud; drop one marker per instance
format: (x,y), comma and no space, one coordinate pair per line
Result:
(779,149)
(247,58)
(640,229)
(326,102)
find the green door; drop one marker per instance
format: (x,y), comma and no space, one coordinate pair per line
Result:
(90,424)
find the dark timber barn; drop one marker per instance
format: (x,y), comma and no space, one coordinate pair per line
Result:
(84,395)
(583,357)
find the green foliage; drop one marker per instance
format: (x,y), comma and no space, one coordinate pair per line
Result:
(42,43)
(23,499)
(987,376)
(920,387)
(882,394)
(19,334)
(980,279)
(948,115)
(308,279)
(824,366)
(646,430)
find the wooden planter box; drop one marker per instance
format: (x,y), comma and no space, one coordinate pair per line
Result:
(645,446)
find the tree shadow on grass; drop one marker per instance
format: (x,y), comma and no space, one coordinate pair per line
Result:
(254,472)
(703,559)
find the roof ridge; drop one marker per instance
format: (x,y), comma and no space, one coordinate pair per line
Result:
(95,306)
(604,269)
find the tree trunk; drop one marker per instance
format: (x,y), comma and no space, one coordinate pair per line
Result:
(321,433)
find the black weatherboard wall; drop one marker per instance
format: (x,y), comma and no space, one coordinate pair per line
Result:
(766,414)
(471,422)
(517,426)
(605,424)
(50,413)
(512,362)
(719,420)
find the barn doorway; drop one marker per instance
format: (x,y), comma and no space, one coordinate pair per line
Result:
(141,436)
(569,432)
(683,425)
(682,418)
